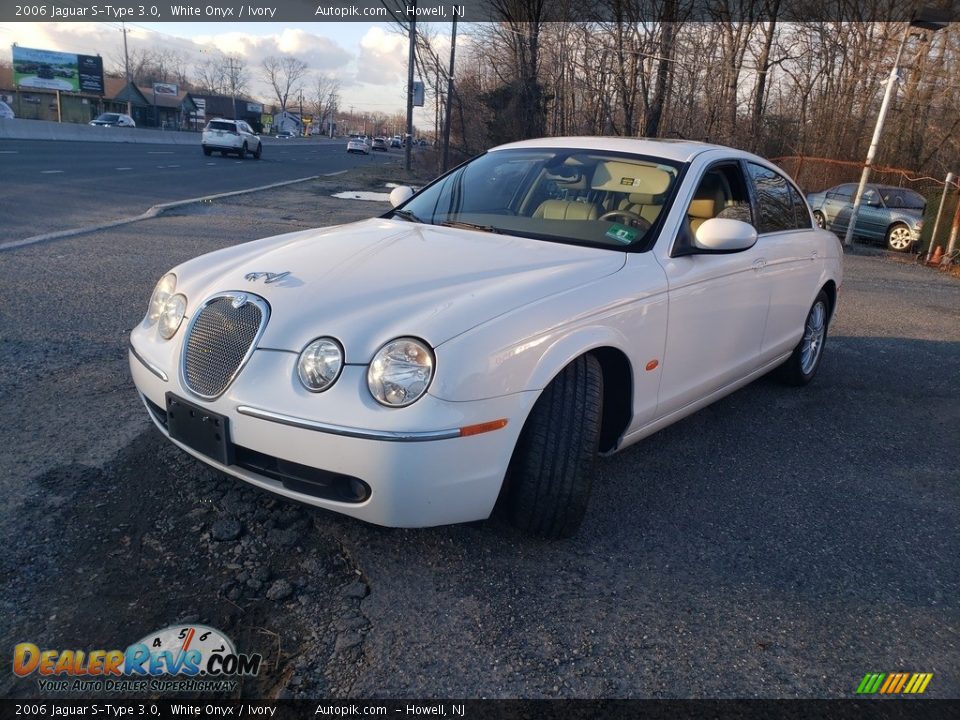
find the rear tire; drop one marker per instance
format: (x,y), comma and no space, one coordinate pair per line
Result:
(805,360)
(207,151)
(550,475)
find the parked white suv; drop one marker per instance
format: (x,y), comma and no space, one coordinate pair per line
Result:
(230,136)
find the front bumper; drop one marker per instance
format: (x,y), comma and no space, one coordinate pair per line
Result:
(418,471)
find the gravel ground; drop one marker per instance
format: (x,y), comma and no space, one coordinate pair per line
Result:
(781,543)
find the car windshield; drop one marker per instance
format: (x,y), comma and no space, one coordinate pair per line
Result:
(577,196)
(894,197)
(108,117)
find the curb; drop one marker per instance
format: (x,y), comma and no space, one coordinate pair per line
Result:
(151,213)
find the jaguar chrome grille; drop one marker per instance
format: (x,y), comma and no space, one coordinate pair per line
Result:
(220,340)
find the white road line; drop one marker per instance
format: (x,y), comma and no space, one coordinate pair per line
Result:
(50,172)
(211,163)
(123,168)
(170,166)
(151,213)
(9,152)
(159,152)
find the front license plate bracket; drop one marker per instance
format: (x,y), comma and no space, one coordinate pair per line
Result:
(197,427)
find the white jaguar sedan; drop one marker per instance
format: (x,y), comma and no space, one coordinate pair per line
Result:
(477,346)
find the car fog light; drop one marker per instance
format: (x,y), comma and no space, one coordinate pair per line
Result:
(320,364)
(172,315)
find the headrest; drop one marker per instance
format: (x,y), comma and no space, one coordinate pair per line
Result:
(565,210)
(614,176)
(702,208)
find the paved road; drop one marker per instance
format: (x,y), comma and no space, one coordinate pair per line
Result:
(781,543)
(50,186)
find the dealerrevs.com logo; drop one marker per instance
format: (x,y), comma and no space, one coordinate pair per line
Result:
(177,658)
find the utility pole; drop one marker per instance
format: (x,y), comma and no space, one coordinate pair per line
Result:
(410,62)
(919,20)
(231,66)
(446,117)
(126,64)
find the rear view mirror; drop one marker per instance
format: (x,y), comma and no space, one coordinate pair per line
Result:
(725,235)
(399,195)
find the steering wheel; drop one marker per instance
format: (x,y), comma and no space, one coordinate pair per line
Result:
(631,217)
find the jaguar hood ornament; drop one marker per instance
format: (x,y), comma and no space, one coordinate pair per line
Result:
(269,277)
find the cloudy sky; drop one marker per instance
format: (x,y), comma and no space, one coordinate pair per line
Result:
(369,59)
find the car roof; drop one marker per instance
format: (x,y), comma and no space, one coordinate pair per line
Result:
(677,150)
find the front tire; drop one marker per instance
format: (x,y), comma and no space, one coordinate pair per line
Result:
(207,151)
(899,237)
(242,152)
(550,475)
(805,360)
(258,152)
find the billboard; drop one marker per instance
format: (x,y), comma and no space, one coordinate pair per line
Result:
(165,89)
(57,71)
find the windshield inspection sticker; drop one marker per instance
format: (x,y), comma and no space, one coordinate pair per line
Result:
(621,233)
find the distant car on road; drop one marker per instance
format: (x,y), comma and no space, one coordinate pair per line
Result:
(6,111)
(380,144)
(887,213)
(286,134)
(230,136)
(109,119)
(358,146)
(396,142)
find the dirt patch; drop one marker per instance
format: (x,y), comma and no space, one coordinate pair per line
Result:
(112,559)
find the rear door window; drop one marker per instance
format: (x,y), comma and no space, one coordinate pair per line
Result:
(774,198)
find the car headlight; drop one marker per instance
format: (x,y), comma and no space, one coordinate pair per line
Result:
(320,364)
(172,315)
(161,293)
(400,372)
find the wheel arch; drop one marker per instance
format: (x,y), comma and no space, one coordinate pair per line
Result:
(617,373)
(830,288)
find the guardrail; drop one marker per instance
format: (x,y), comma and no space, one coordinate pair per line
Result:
(20,129)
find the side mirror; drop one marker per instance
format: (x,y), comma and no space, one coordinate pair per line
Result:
(725,235)
(399,195)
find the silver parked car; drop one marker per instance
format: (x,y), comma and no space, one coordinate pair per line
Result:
(889,214)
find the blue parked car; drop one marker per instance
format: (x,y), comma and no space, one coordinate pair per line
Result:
(889,214)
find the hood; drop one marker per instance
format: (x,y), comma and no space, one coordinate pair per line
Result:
(372,281)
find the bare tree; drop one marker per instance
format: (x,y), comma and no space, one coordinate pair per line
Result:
(326,99)
(285,75)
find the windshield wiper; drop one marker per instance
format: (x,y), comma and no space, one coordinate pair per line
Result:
(471,226)
(407,215)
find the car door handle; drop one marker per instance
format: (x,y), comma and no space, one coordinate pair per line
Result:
(759,264)
(813,255)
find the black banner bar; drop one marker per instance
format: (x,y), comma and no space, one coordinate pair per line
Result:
(443,11)
(489,709)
